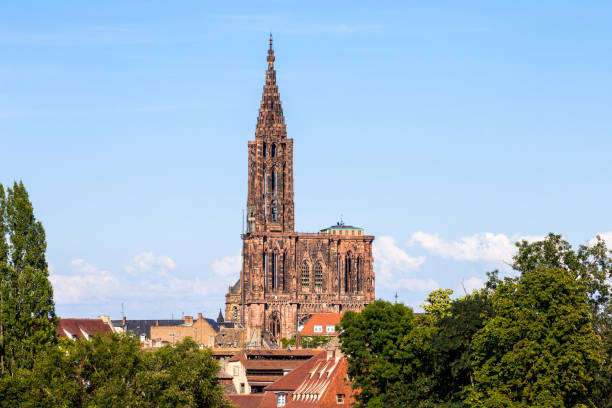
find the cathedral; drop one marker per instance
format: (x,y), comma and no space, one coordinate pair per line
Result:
(287,275)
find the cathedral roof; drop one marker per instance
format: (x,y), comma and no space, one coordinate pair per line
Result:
(342,226)
(271,121)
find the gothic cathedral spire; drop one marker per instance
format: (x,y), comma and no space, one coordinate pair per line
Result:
(270,195)
(271,121)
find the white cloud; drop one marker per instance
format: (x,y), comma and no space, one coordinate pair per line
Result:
(228,266)
(389,257)
(469,285)
(150,280)
(88,285)
(487,247)
(392,263)
(606,236)
(146,261)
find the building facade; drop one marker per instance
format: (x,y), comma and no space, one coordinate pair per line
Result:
(286,276)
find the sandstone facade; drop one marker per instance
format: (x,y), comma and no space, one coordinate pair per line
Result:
(286,275)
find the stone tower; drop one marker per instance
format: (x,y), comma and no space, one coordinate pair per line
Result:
(270,195)
(285,275)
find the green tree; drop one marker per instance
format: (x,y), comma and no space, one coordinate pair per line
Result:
(591,264)
(112,371)
(437,304)
(27,310)
(182,375)
(453,370)
(539,349)
(4,276)
(388,356)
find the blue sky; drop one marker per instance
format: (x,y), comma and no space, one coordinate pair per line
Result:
(447,129)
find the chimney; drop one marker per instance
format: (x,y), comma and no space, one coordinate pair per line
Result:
(157,323)
(200,316)
(188,319)
(123,321)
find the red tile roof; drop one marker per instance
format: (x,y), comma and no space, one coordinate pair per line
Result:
(323,320)
(273,364)
(253,400)
(315,384)
(278,354)
(81,328)
(294,379)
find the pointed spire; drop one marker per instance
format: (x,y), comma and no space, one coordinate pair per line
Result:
(220,317)
(271,121)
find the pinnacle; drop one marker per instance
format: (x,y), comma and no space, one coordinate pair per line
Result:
(271,121)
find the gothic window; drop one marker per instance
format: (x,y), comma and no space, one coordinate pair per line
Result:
(274,211)
(284,272)
(274,325)
(318,278)
(273,152)
(358,278)
(273,182)
(264,150)
(235,313)
(265,195)
(347,273)
(266,270)
(305,276)
(274,271)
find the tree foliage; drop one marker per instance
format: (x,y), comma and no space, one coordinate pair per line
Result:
(386,355)
(27,310)
(540,339)
(112,371)
(539,349)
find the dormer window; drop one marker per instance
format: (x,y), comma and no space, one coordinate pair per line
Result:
(318,329)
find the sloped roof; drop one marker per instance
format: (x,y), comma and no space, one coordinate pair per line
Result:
(308,385)
(273,364)
(71,328)
(294,379)
(253,400)
(139,327)
(274,354)
(236,287)
(321,319)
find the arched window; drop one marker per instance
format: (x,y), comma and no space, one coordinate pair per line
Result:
(305,276)
(274,271)
(264,150)
(266,269)
(274,211)
(273,150)
(358,268)
(318,277)
(273,181)
(274,325)
(265,195)
(235,313)
(347,273)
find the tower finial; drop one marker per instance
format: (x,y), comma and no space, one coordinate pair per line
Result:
(270,40)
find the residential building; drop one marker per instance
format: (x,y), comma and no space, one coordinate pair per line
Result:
(253,370)
(73,329)
(321,324)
